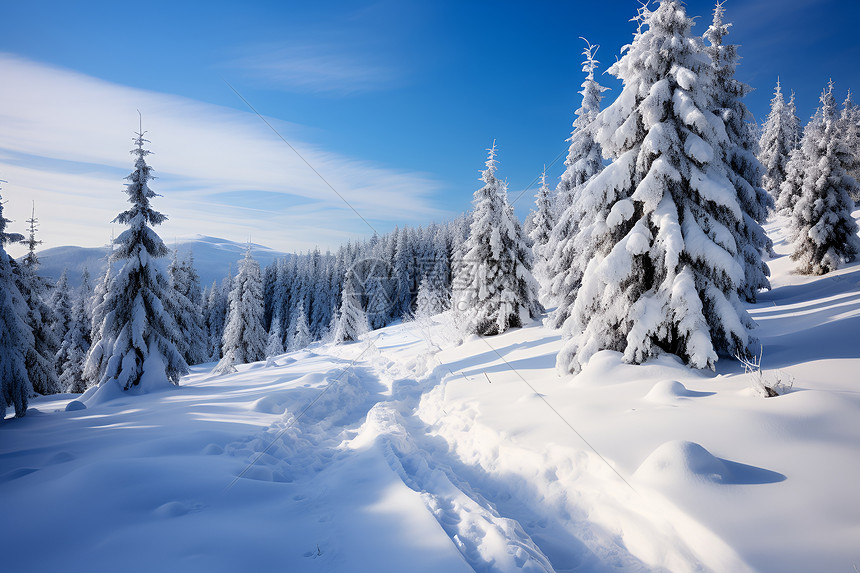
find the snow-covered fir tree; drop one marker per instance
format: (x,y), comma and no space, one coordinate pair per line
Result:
(352,320)
(138,333)
(495,287)
(61,306)
(16,338)
(566,258)
(401,274)
(777,140)
(72,354)
(543,222)
(302,335)
(794,130)
(99,351)
(213,322)
(184,288)
(744,169)
(795,170)
(430,300)
(823,232)
(584,156)
(40,318)
(275,342)
(665,273)
(85,294)
(378,302)
(849,126)
(244,338)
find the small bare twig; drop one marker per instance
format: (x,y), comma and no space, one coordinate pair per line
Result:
(775,385)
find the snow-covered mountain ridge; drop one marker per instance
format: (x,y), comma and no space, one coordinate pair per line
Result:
(404,452)
(213,258)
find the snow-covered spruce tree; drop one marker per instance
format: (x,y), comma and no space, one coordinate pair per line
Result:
(401,274)
(138,332)
(378,302)
(665,273)
(849,126)
(823,232)
(16,338)
(495,288)
(794,131)
(73,350)
(566,258)
(792,188)
(85,294)
(352,321)
(61,306)
(40,318)
(744,169)
(275,341)
(543,222)
(584,156)
(99,351)
(302,335)
(777,141)
(430,301)
(244,338)
(187,314)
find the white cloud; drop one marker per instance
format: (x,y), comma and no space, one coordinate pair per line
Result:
(314,68)
(65,140)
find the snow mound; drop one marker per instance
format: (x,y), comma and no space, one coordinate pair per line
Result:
(75,405)
(671,390)
(177,508)
(680,460)
(274,403)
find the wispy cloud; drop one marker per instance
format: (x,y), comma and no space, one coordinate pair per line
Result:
(65,137)
(315,68)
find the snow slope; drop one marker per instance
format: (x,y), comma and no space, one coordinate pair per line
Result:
(404,452)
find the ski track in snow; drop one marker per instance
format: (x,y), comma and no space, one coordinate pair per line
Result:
(534,520)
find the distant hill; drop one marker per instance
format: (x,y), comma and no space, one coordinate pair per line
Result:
(213,258)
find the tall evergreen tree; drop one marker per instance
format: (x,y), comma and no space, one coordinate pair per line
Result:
(61,308)
(794,131)
(823,231)
(777,140)
(352,321)
(61,305)
(430,300)
(275,341)
(665,274)
(16,337)
(744,169)
(568,258)
(543,222)
(495,287)
(100,350)
(138,333)
(85,294)
(244,338)
(849,126)
(792,188)
(72,354)
(40,318)
(302,335)
(402,274)
(185,292)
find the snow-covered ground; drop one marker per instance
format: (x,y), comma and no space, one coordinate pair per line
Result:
(406,453)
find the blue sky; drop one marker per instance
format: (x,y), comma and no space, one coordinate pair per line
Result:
(393,102)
